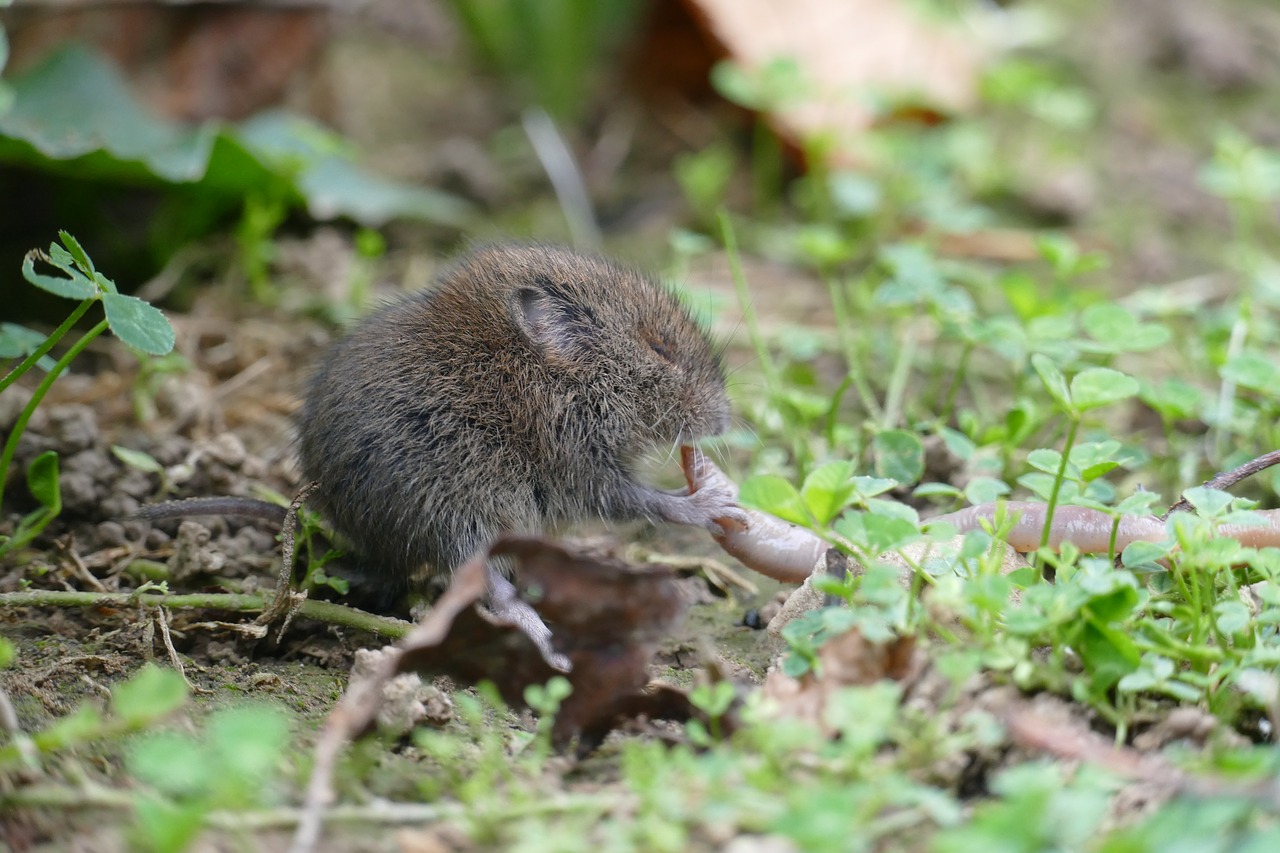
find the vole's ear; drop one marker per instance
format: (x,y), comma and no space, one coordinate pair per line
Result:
(554,326)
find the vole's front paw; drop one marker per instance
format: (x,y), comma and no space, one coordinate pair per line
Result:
(710,508)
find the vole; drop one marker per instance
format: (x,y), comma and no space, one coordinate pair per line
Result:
(515,395)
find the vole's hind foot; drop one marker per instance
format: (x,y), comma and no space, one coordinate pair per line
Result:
(506,604)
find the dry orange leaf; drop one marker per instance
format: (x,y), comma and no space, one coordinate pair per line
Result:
(851,52)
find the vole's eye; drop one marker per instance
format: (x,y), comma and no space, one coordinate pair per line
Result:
(660,347)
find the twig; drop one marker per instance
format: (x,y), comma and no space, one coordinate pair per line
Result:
(287,600)
(1224,481)
(379,812)
(68,548)
(162,620)
(321,611)
(1071,741)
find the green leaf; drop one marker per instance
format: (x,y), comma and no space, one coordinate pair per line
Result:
(958,444)
(249,740)
(75,287)
(1045,460)
(76,105)
(174,763)
(138,324)
(78,253)
(1093,472)
(776,496)
(827,490)
(898,455)
(1232,616)
(1138,503)
(65,261)
(877,533)
(136,459)
(936,490)
(150,694)
(893,509)
(1020,421)
(1109,654)
(869,487)
(1101,386)
(736,84)
(1251,370)
(83,724)
(1114,606)
(1041,485)
(332,184)
(1208,502)
(42,481)
(75,113)
(1174,399)
(167,827)
(335,187)
(1117,330)
(105,284)
(19,342)
(1054,382)
(981,490)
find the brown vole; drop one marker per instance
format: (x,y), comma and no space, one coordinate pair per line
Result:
(515,395)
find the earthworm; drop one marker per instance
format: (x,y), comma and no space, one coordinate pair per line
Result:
(788,552)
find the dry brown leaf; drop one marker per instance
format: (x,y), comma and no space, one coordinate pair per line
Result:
(843,661)
(605,616)
(852,51)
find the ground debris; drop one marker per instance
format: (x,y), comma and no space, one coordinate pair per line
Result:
(606,617)
(843,661)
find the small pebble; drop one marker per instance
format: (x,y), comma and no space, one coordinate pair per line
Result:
(111,533)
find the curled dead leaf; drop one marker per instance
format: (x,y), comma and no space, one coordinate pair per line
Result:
(843,661)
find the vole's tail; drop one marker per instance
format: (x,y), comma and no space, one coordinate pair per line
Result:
(189,507)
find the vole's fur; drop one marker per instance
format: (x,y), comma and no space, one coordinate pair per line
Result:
(515,395)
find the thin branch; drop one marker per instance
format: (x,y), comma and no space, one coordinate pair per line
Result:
(287,600)
(379,812)
(175,660)
(1224,481)
(321,611)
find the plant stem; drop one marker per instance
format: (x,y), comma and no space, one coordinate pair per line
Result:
(953,390)
(852,358)
(730,242)
(562,170)
(1058,478)
(901,372)
(766,171)
(49,343)
(799,448)
(11,446)
(323,611)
